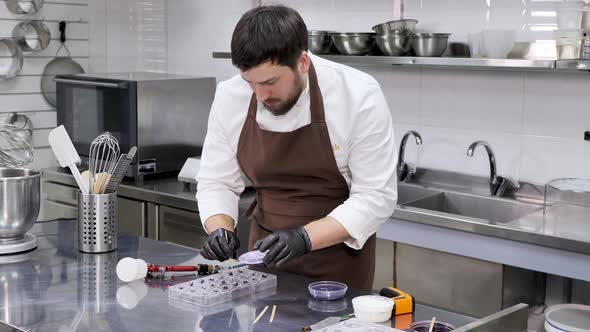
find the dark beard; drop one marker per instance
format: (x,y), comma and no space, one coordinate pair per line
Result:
(284,107)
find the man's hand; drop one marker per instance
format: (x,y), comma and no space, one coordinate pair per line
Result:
(284,245)
(221,245)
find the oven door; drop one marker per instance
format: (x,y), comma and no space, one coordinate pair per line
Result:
(88,107)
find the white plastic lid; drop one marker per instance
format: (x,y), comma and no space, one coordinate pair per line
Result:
(569,317)
(373,303)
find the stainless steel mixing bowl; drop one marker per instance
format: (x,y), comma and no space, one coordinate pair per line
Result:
(19,201)
(394,44)
(354,43)
(319,42)
(430,44)
(395,26)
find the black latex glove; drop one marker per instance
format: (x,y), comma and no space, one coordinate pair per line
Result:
(221,245)
(284,245)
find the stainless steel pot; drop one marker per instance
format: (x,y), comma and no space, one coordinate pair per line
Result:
(354,43)
(19,201)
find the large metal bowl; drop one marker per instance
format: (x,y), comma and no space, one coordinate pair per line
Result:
(354,43)
(319,42)
(394,44)
(395,26)
(430,44)
(19,203)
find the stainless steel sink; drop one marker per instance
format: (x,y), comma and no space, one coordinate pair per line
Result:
(492,209)
(409,193)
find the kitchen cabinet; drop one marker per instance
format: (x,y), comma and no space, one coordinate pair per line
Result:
(141,218)
(131,216)
(452,281)
(181,227)
(384,264)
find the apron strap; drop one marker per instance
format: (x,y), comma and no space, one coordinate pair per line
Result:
(316,100)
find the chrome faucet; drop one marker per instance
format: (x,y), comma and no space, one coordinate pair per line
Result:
(404,170)
(498,184)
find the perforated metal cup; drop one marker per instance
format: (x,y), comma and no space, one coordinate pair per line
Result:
(97,222)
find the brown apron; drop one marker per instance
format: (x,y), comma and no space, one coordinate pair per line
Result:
(297,181)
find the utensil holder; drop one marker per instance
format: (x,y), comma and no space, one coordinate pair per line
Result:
(97,222)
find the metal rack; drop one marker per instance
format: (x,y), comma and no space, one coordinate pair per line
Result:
(448,62)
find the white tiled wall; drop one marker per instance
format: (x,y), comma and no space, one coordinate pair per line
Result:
(534,121)
(129,35)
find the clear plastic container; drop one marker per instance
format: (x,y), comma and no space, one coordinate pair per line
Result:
(567,191)
(423,326)
(327,306)
(373,308)
(222,287)
(327,290)
(569,15)
(569,44)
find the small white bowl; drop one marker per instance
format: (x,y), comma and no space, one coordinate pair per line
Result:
(373,308)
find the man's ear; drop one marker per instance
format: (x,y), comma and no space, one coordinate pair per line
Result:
(303,63)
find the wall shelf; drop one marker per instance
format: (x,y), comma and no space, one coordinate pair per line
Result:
(447,62)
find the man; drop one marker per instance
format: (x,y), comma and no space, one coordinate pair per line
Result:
(315,139)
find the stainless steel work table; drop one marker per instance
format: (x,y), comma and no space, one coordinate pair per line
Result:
(58,288)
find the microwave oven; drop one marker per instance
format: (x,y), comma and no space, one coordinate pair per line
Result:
(164,115)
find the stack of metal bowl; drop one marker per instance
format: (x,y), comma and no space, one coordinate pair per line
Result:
(393,37)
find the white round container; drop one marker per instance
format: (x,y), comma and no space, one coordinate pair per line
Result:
(569,44)
(569,15)
(567,318)
(373,308)
(130,269)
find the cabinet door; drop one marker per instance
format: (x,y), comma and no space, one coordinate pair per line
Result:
(60,193)
(51,209)
(131,216)
(181,227)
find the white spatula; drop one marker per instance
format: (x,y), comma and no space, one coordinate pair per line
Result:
(66,154)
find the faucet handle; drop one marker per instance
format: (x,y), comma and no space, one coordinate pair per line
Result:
(504,184)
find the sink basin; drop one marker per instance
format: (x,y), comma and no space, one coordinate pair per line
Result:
(408,193)
(492,209)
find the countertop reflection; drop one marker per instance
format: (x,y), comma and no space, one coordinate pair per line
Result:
(57,288)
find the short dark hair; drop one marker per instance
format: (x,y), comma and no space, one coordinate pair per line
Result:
(268,33)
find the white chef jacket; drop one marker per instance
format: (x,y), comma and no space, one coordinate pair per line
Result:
(361,132)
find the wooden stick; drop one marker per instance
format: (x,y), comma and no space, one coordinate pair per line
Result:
(260,315)
(432,324)
(272,315)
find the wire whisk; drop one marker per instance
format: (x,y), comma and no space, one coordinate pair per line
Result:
(104,154)
(15,149)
